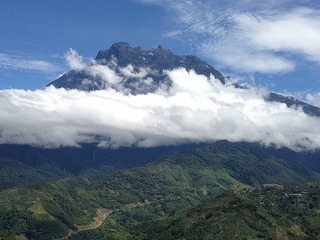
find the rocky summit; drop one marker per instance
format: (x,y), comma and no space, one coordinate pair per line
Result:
(138,71)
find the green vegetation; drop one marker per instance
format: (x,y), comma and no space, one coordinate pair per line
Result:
(4,235)
(16,173)
(17,222)
(291,213)
(177,182)
(23,165)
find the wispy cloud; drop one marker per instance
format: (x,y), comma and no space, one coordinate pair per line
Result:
(20,62)
(194,109)
(109,78)
(313,99)
(247,35)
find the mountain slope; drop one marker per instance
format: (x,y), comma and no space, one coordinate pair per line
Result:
(290,213)
(15,173)
(295,103)
(23,165)
(180,180)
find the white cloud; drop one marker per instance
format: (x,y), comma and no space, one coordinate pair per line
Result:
(313,99)
(295,31)
(195,109)
(248,35)
(105,72)
(74,60)
(130,72)
(244,60)
(18,62)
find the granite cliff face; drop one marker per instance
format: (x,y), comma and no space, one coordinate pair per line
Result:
(142,71)
(159,59)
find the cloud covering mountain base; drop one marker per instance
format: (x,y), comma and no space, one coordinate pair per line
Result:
(194,109)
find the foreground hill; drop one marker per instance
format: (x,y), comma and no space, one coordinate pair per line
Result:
(178,181)
(269,213)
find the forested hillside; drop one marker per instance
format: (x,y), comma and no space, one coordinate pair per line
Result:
(179,181)
(273,212)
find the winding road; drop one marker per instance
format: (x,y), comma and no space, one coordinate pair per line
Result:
(102,214)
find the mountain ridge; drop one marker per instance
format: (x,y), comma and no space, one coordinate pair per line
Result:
(159,58)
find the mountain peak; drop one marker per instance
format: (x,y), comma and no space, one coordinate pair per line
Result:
(120,45)
(129,55)
(161,47)
(121,54)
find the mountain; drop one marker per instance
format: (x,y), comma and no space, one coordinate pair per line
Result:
(121,55)
(130,64)
(269,213)
(129,185)
(24,165)
(178,181)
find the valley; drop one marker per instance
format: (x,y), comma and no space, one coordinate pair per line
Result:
(176,182)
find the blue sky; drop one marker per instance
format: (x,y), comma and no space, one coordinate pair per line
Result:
(270,43)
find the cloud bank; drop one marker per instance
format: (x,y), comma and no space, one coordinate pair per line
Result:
(247,35)
(194,109)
